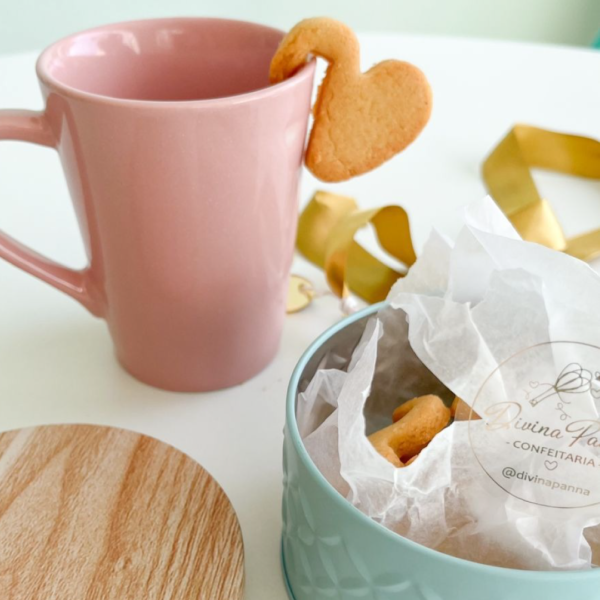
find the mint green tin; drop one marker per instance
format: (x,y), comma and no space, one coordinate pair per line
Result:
(330,550)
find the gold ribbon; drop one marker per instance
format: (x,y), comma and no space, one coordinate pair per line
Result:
(326,233)
(329,223)
(507,174)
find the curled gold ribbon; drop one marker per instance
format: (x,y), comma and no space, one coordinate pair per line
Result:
(507,174)
(326,231)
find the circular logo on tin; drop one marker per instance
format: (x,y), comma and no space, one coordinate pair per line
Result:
(534,426)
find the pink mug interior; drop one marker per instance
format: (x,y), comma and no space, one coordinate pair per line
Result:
(164,60)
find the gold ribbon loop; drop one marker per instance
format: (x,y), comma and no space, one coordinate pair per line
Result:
(507,174)
(329,223)
(326,233)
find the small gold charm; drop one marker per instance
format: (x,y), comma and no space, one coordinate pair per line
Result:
(300,294)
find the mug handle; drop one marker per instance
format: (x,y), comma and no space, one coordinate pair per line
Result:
(32,126)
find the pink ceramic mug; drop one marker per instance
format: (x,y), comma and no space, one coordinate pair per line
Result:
(183,165)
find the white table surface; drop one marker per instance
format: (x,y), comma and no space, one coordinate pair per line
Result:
(56,361)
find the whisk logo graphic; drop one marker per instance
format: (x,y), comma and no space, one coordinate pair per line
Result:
(573,379)
(535,425)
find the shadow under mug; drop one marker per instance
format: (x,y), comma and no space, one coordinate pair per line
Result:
(183,165)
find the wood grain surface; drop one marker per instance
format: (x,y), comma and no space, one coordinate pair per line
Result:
(97,513)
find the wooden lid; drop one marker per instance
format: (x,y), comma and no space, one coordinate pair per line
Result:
(96,513)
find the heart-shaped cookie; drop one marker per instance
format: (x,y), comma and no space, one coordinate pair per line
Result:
(361,119)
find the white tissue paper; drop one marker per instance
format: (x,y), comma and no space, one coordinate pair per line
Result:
(474,319)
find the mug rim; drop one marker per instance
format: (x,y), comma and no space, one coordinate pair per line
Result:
(41,68)
(344,505)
